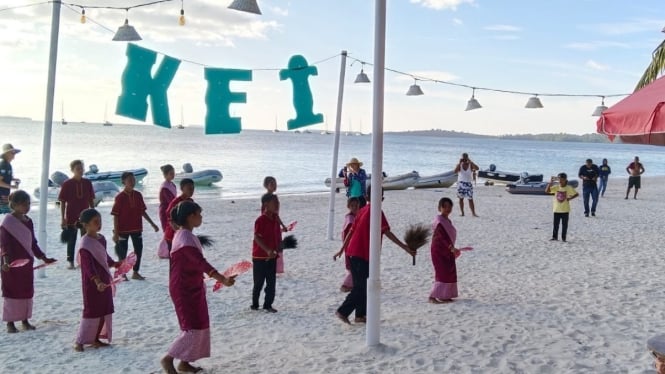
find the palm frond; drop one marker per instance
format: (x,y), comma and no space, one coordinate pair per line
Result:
(655,68)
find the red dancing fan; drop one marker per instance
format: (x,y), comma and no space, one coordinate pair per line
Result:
(20,262)
(291,226)
(237,269)
(124,267)
(464,249)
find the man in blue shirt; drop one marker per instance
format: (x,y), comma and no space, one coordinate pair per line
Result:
(589,173)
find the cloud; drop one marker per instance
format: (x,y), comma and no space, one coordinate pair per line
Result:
(442,4)
(505,37)
(596,66)
(280,11)
(505,28)
(458,21)
(628,27)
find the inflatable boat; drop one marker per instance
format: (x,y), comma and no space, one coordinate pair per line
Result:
(201,178)
(443,180)
(104,190)
(95,175)
(533,188)
(507,176)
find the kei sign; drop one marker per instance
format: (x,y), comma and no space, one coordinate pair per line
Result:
(139,84)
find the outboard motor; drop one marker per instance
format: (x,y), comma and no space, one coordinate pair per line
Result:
(492,167)
(59,178)
(93,169)
(187,168)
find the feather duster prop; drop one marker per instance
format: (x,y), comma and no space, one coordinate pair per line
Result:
(64,235)
(289,242)
(206,241)
(417,236)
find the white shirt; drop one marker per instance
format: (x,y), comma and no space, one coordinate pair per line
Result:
(465,175)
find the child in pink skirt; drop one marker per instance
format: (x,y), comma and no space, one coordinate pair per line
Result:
(97,320)
(18,242)
(353,204)
(443,255)
(188,291)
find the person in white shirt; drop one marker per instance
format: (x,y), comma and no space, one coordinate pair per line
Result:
(465,170)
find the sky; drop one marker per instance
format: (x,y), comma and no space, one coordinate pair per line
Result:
(580,47)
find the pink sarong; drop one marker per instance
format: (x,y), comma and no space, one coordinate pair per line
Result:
(191,345)
(87,333)
(445,281)
(14,310)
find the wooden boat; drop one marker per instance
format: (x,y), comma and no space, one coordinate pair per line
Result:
(442,180)
(533,188)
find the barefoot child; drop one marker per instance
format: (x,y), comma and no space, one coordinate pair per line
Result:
(443,255)
(188,291)
(128,209)
(270,184)
(96,322)
(17,241)
(353,204)
(265,248)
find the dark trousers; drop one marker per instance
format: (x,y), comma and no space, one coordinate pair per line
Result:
(122,246)
(593,192)
(563,219)
(602,185)
(264,271)
(357,298)
(71,240)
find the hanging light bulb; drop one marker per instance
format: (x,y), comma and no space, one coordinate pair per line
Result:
(600,109)
(82,15)
(473,103)
(181,20)
(414,89)
(362,77)
(533,103)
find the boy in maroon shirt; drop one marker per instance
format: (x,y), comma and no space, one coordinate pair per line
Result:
(128,209)
(267,240)
(76,195)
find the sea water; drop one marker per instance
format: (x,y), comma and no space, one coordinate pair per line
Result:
(300,161)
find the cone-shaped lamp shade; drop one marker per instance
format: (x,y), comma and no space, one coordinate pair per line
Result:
(533,103)
(126,33)
(362,77)
(249,6)
(414,90)
(599,110)
(473,104)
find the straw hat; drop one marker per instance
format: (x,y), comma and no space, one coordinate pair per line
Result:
(354,160)
(9,148)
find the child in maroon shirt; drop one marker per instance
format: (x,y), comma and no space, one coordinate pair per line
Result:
(128,209)
(76,195)
(267,240)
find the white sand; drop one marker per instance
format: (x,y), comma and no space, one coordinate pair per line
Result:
(527,305)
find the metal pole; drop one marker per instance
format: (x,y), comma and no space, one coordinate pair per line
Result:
(374,281)
(48,124)
(338,125)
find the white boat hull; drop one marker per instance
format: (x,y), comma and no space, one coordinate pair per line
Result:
(443,180)
(201,178)
(104,190)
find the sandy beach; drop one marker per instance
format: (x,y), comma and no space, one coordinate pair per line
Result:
(526,305)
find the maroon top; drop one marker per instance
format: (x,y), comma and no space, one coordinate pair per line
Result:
(95,304)
(187,288)
(76,194)
(443,258)
(129,207)
(18,283)
(168,231)
(359,243)
(166,195)
(267,228)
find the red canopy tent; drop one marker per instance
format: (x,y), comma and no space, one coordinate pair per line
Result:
(639,118)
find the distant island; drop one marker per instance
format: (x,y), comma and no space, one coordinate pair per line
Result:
(561,137)
(15,118)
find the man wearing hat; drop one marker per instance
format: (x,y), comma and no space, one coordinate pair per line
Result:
(355,180)
(7,176)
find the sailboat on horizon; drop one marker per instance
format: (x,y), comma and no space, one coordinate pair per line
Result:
(62,113)
(106,122)
(182,119)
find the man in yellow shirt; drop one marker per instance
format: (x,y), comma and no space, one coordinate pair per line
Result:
(563,193)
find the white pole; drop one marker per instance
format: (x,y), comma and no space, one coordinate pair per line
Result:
(374,282)
(338,125)
(48,124)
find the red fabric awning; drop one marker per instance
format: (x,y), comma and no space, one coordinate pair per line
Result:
(639,118)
